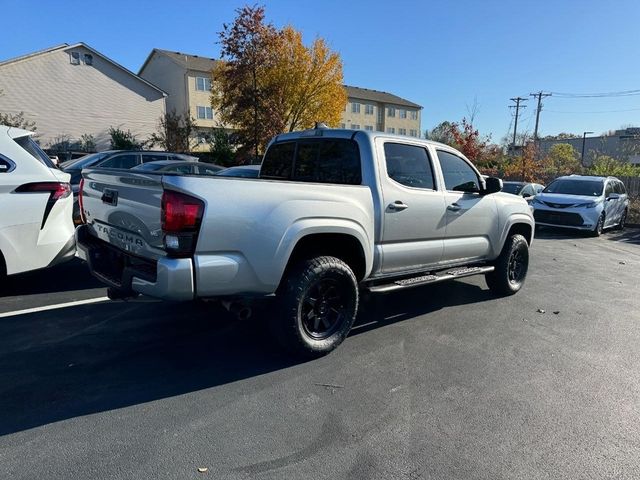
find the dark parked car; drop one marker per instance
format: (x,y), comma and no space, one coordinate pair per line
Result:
(526,190)
(180,166)
(243,171)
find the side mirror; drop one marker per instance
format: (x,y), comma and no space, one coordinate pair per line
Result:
(613,196)
(527,195)
(492,185)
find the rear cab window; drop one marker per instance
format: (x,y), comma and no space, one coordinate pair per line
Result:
(327,160)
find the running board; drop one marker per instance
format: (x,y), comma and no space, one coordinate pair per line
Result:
(428,279)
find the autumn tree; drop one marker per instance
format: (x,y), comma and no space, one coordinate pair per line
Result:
(269,82)
(467,139)
(308,80)
(441,133)
(526,167)
(561,159)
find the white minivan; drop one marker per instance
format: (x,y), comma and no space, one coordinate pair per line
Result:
(36,226)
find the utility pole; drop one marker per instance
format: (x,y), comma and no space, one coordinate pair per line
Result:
(540,96)
(584,139)
(517,106)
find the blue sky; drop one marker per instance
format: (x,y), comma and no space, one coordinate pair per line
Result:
(443,55)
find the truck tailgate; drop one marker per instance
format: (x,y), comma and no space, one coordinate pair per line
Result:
(123,208)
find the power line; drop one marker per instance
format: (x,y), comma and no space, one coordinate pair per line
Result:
(596,111)
(623,93)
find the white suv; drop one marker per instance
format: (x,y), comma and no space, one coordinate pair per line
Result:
(582,202)
(36,228)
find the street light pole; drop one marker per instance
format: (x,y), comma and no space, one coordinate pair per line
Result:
(584,137)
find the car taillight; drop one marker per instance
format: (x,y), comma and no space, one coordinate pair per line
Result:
(56,190)
(81,201)
(181,217)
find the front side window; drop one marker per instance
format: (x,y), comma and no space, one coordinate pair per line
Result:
(459,176)
(205,113)
(608,190)
(203,84)
(355,108)
(126,161)
(409,165)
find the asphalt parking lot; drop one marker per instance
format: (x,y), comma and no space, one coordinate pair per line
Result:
(446,381)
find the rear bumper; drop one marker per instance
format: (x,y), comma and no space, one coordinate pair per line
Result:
(165,278)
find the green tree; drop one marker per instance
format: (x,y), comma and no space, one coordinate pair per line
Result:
(175,132)
(221,150)
(441,133)
(605,165)
(121,140)
(87,143)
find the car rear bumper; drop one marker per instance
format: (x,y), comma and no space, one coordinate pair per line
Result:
(165,278)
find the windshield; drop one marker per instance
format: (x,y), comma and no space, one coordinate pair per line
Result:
(512,187)
(85,161)
(34,150)
(591,188)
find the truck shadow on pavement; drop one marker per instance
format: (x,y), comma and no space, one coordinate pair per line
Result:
(62,364)
(66,277)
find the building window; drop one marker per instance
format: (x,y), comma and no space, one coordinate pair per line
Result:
(88,59)
(205,113)
(355,108)
(75,58)
(391,112)
(403,113)
(414,114)
(355,126)
(402,131)
(369,128)
(203,84)
(413,133)
(391,130)
(368,109)
(342,125)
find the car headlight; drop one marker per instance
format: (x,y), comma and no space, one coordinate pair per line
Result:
(588,205)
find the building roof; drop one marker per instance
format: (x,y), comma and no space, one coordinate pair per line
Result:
(184,60)
(377,96)
(66,46)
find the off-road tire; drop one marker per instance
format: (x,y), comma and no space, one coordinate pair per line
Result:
(302,303)
(510,267)
(599,228)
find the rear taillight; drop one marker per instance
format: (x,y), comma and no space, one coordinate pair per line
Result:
(81,201)
(181,217)
(56,190)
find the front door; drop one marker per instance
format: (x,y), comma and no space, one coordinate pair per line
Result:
(413,208)
(472,224)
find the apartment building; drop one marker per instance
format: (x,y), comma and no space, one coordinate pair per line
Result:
(381,111)
(187,81)
(73,90)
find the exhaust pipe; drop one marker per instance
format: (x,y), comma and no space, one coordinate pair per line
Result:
(240,310)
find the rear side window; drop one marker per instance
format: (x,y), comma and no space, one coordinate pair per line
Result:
(409,165)
(154,157)
(623,189)
(126,160)
(459,176)
(322,161)
(34,150)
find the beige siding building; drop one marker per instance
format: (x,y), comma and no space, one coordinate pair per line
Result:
(381,111)
(71,90)
(187,81)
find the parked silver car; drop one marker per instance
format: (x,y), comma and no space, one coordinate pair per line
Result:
(582,202)
(525,189)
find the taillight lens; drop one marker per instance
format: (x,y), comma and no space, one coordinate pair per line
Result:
(81,201)
(56,190)
(181,217)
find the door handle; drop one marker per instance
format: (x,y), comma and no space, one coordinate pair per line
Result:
(398,205)
(454,207)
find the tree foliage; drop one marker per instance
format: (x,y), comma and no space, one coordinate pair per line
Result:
(441,133)
(605,165)
(121,140)
(561,159)
(87,143)
(525,167)
(175,132)
(220,147)
(269,82)
(467,139)
(17,120)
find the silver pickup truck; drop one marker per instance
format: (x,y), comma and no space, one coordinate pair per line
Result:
(332,213)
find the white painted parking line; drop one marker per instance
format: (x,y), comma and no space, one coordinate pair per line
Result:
(54,307)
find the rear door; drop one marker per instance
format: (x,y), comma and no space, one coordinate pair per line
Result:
(472,224)
(414,210)
(610,204)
